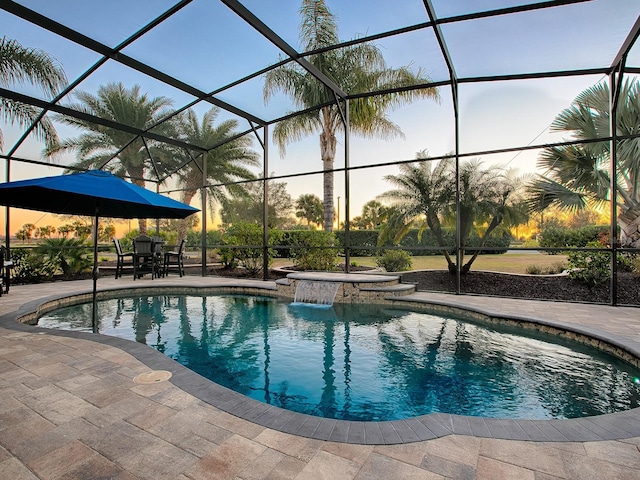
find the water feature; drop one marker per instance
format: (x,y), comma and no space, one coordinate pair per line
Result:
(316,292)
(358,362)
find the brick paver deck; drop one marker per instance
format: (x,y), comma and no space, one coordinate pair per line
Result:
(69,408)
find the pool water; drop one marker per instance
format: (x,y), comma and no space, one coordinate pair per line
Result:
(368,363)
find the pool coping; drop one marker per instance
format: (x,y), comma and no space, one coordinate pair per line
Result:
(614,426)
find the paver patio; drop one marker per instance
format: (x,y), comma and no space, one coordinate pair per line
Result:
(69,409)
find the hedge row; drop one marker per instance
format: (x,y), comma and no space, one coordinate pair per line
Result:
(572,237)
(364,243)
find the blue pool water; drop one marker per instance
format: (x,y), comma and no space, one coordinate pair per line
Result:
(366,362)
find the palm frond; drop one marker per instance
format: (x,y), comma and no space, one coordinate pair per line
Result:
(544,192)
(19,65)
(295,128)
(318,27)
(24,115)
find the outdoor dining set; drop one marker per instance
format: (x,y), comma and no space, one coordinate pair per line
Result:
(149,257)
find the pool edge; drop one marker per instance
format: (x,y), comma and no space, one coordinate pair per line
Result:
(614,426)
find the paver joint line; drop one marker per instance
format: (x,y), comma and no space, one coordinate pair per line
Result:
(622,331)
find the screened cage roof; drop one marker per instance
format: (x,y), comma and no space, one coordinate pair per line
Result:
(204,53)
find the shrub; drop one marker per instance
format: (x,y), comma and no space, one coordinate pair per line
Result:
(394,261)
(533,270)
(629,262)
(556,268)
(31,267)
(364,243)
(590,267)
(245,240)
(635,264)
(314,250)
(69,255)
(572,237)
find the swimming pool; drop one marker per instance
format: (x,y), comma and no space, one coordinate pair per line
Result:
(366,362)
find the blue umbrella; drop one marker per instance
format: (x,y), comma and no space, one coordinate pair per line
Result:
(85,192)
(92,193)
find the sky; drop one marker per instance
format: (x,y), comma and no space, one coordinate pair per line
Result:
(207,45)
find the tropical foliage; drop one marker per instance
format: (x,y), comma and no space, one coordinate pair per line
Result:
(249,207)
(244,242)
(374,215)
(425,196)
(357,69)
(577,176)
(19,65)
(68,255)
(124,154)
(309,208)
(315,250)
(225,164)
(590,267)
(395,261)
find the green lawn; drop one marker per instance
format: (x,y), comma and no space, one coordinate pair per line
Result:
(508,262)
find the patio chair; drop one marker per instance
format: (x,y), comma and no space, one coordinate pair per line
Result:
(143,257)
(122,258)
(157,244)
(175,259)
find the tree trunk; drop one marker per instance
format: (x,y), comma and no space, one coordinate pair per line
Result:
(492,226)
(187,196)
(629,221)
(142,226)
(142,222)
(328,153)
(434,225)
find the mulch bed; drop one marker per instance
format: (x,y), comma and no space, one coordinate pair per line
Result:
(539,287)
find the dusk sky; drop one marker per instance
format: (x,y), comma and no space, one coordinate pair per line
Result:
(208,46)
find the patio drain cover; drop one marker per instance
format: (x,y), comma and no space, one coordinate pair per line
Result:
(152,376)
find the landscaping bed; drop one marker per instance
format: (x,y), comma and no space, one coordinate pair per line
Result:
(539,287)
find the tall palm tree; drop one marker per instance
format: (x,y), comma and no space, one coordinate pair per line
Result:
(425,196)
(357,69)
(98,144)
(577,176)
(29,65)
(225,164)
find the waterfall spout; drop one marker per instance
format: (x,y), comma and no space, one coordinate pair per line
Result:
(314,292)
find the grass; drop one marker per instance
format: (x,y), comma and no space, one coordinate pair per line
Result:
(508,262)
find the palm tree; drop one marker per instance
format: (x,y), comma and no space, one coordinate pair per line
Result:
(225,164)
(374,214)
(19,65)
(98,144)
(577,176)
(425,196)
(358,68)
(309,207)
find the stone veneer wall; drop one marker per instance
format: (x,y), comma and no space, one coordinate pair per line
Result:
(348,292)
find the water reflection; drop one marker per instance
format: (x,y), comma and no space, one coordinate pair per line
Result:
(365,362)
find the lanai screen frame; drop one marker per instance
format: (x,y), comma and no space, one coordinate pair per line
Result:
(615,72)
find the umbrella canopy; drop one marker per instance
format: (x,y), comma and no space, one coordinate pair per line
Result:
(95,193)
(88,193)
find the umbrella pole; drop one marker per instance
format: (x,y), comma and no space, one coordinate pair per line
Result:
(94,306)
